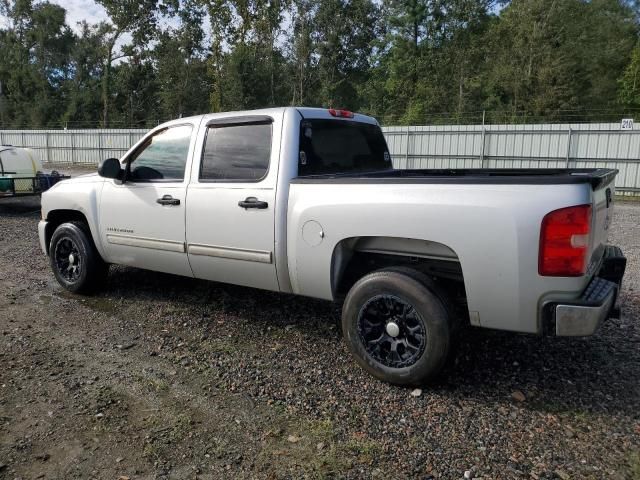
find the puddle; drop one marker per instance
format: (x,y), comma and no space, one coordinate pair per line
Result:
(44,299)
(99,304)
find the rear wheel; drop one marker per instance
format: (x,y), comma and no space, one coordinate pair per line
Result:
(75,262)
(396,326)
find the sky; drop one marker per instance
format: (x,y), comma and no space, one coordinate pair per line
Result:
(78,10)
(88,10)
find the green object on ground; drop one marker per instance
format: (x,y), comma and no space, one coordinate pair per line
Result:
(5,184)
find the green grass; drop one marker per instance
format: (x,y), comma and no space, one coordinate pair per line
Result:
(627,198)
(365,449)
(158,385)
(303,458)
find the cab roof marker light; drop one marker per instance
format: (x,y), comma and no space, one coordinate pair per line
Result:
(340,113)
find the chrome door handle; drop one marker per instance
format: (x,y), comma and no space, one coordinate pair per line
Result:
(253,202)
(168,200)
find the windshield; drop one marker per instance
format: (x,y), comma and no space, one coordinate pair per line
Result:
(340,146)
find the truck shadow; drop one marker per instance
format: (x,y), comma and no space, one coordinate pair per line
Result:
(20,206)
(599,374)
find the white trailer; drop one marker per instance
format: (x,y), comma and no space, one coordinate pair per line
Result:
(21,173)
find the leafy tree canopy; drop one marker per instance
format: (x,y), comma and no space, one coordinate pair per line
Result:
(404,61)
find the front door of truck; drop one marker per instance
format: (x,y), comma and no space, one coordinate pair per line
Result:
(231,203)
(142,218)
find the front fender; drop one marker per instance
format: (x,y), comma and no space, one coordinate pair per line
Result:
(76,196)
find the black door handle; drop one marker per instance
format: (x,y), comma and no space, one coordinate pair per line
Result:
(253,202)
(168,200)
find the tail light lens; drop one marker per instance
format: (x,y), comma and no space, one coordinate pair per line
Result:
(564,242)
(340,113)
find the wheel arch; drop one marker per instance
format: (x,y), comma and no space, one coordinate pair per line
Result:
(55,218)
(354,257)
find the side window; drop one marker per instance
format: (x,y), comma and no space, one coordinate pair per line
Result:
(162,157)
(236,152)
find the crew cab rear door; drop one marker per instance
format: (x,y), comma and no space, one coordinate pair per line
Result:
(231,200)
(142,219)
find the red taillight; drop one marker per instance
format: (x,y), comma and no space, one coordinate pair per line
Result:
(340,113)
(564,242)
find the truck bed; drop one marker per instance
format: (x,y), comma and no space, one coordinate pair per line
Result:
(501,176)
(489,219)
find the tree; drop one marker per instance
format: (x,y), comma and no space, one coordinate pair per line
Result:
(342,39)
(461,56)
(552,56)
(180,64)
(611,34)
(432,57)
(300,49)
(405,61)
(629,94)
(135,100)
(251,72)
(81,90)
(221,20)
(35,49)
(136,17)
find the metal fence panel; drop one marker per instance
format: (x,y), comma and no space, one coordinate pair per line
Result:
(421,147)
(74,146)
(601,145)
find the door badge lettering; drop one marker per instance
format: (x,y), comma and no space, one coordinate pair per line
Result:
(119,230)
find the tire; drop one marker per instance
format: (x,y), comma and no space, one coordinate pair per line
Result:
(74,259)
(420,330)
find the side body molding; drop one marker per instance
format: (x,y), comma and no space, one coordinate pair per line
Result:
(259,256)
(144,242)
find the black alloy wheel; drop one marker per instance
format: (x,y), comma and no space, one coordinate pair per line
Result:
(74,259)
(392,331)
(68,259)
(396,325)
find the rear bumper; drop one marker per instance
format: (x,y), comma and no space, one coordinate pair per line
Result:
(597,303)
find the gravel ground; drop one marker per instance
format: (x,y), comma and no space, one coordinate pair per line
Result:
(168,377)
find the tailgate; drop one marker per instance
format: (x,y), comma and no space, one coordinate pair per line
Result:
(602,201)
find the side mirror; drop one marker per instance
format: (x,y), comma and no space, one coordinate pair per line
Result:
(110,168)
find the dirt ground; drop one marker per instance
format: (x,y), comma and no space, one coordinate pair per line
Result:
(167,377)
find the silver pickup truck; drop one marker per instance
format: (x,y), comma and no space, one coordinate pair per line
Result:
(306,201)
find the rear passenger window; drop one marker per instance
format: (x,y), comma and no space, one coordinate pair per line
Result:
(236,152)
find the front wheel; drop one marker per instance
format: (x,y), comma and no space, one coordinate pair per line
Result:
(396,326)
(75,262)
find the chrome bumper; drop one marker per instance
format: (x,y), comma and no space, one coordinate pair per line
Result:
(583,317)
(597,303)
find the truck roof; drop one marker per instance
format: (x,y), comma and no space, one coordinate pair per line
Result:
(305,112)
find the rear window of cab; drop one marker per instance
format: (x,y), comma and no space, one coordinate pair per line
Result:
(341,146)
